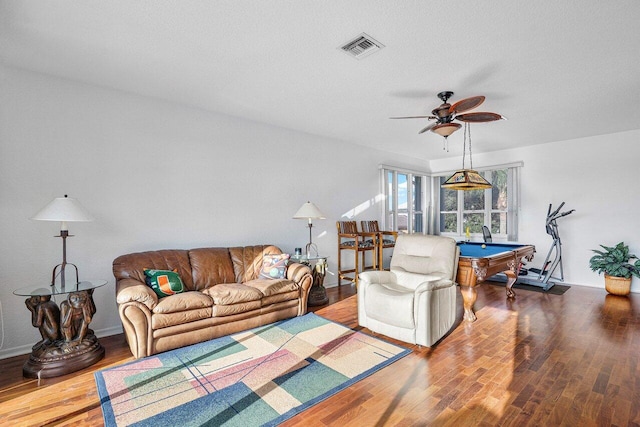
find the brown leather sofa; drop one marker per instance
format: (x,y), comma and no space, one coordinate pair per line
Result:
(223,294)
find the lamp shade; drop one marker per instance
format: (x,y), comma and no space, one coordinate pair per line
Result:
(63,209)
(308,211)
(466,179)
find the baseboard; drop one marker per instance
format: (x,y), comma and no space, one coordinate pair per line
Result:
(24,350)
(107,332)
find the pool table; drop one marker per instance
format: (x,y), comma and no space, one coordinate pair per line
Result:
(478,263)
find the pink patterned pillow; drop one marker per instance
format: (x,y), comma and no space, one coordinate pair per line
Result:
(274,266)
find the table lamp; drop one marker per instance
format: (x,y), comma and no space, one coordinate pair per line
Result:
(64,209)
(309,211)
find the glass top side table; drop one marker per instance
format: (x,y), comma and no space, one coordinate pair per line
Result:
(318,293)
(59,289)
(67,344)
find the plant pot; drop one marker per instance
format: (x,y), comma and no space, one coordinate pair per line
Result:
(617,285)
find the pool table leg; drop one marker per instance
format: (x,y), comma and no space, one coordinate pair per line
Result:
(511,279)
(469,296)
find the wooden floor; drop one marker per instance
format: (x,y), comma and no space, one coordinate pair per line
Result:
(540,360)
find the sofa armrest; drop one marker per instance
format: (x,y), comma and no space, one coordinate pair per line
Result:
(297,272)
(132,290)
(301,275)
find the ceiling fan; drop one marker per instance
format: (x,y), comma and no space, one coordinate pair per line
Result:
(445,114)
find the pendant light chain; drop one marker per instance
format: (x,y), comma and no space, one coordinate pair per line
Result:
(464,145)
(467,126)
(466,179)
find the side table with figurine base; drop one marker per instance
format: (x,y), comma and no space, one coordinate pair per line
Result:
(68,344)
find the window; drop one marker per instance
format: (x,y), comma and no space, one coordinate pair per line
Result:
(406,196)
(462,211)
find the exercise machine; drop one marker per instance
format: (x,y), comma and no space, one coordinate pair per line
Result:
(549,266)
(542,277)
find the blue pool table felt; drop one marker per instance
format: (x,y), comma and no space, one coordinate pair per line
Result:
(475,250)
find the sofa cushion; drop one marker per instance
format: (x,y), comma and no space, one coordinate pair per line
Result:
(164,282)
(232,293)
(229,310)
(247,260)
(164,320)
(133,265)
(270,287)
(211,266)
(287,296)
(274,266)
(190,300)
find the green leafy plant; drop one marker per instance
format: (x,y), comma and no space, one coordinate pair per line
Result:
(615,261)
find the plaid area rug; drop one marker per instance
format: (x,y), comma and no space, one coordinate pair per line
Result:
(258,377)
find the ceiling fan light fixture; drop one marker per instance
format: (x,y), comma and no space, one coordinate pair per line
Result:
(466,179)
(446,129)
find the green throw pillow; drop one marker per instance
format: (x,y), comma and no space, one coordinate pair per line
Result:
(164,282)
(274,266)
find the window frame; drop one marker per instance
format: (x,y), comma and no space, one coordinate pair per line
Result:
(391,211)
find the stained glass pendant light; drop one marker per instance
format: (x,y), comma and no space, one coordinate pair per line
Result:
(466,179)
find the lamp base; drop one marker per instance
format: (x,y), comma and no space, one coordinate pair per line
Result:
(309,248)
(62,266)
(60,269)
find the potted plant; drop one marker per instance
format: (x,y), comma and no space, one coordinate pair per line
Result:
(615,263)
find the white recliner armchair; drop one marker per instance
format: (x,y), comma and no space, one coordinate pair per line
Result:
(415,302)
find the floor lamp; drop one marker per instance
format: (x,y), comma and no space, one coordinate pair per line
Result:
(309,211)
(63,209)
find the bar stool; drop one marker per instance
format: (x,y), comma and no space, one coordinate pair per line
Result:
(350,239)
(382,242)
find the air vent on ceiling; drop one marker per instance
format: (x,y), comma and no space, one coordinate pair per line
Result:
(361,46)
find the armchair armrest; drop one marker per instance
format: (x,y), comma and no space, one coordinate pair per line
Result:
(376,277)
(434,285)
(417,281)
(132,290)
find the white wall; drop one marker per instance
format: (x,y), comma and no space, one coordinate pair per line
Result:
(596,176)
(156,175)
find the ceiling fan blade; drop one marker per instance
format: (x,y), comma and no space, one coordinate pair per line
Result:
(466,104)
(427,128)
(415,117)
(479,117)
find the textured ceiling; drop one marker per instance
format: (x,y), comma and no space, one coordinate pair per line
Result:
(557,70)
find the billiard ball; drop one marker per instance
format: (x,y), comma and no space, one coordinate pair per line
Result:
(484,246)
